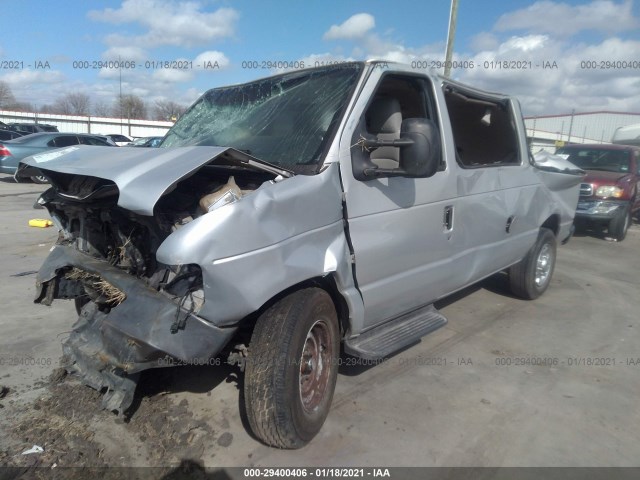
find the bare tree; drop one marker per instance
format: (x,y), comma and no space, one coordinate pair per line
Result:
(20,107)
(6,95)
(168,110)
(61,106)
(130,106)
(9,102)
(71,104)
(79,102)
(47,109)
(101,109)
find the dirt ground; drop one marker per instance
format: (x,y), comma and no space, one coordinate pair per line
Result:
(65,420)
(470,394)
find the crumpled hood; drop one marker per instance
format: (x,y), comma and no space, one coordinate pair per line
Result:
(600,176)
(558,173)
(142,175)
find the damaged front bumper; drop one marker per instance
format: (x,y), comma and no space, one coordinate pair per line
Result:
(109,348)
(599,210)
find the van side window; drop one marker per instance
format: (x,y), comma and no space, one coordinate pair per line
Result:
(484,131)
(397,98)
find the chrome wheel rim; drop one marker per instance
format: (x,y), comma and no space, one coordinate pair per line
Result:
(315,366)
(543,265)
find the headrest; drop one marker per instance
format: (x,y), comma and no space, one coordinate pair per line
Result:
(384,116)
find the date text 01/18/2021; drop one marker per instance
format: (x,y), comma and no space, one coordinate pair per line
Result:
(330,472)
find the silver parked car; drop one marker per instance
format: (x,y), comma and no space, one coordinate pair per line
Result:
(291,214)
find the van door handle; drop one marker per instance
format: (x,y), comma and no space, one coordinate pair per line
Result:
(510,221)
(447,220)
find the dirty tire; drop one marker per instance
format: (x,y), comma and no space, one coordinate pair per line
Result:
(39,179)
(580,226)
(287,397)
(619,224)
(530,277)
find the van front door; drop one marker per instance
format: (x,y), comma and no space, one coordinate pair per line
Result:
(403,230)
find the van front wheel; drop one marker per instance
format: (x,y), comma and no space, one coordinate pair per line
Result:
(530,277)
(292,368)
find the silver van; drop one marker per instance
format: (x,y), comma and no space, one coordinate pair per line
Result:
(285,216)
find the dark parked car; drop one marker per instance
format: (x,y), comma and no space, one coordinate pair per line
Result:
(27,128)
(8,134)
(13,151)
(146,142)
(609,192)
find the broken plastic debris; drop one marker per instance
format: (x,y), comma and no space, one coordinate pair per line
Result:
(228,193)
(34,449)
(40,222)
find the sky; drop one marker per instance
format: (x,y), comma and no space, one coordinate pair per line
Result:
(555,56)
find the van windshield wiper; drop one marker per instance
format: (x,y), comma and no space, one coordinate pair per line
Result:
(243,157)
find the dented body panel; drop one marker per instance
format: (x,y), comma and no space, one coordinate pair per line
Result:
(157,272)
(405,257)
(293,230)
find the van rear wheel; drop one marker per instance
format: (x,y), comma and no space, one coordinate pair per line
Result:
(292,368)
(530,277)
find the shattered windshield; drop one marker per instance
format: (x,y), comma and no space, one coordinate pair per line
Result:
(287,120)
(597,159)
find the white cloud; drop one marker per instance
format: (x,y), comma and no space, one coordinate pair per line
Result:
(369,45)
(169,23)
(125,53)
(321,59)
(524,44)
(44,87)
(142,92)
(564,84)
(569,86)
(158,83)
(484,41)
(39,87)
(18,78)
(211,60)
(172,75)
(562,19)
(316,60)
(355,26)
(154,89)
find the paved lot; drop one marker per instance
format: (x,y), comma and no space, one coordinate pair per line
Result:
(506,383)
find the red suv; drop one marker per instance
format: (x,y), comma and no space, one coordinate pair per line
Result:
(609,192)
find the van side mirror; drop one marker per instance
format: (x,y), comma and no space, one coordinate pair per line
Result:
(421,157)
(420,151)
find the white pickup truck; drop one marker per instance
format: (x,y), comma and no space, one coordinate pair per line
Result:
(284,216)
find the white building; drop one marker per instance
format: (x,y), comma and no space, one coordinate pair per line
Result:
(548,131)
(97,125)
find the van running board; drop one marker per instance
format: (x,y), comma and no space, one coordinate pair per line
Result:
(395,335)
